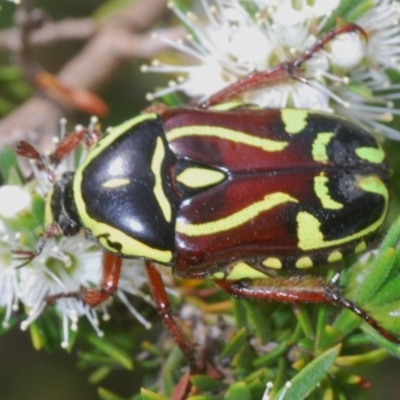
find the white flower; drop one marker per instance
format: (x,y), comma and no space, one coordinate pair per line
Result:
(349,76)
(66,267)
(14,200)
(9,284)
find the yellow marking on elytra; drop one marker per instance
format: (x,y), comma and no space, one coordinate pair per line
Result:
(309,228)
(226,134)
(295,120)
(335,256)
(362,246)
(242,270)
(322,192)
(131,247)
(226,106)
(318,151)
(236,219)
(156,165)
(272,262)
(304,262)
(196,177)
(116,182)
(219,275)
(371,154)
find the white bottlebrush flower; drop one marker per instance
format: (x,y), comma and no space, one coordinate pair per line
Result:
(349,76)
(62,267)
(65,267)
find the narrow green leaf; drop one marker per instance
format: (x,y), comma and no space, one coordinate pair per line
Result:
(99,374)
(118,355)
(387,315)
(310,376)
(388,292)
(358,9)
(393,348)
(375,275)
(303,317)
(257,316)
(206,384)
(171,365)
(240,312)
(8,162)
(105,394)
(238,391)
(371,357)
(346,322)
(235,343)
(272,355)
(392,237)
(149,395)
(345,12)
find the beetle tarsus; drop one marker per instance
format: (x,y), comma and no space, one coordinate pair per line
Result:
(288,70)
(336,299)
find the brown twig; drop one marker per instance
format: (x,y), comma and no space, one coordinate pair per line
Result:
(110,45)
(51,33)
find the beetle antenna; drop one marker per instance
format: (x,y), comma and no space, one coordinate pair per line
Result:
(26,150)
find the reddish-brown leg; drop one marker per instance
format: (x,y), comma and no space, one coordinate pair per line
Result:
(108,285)
(72,141)
(26,256)
(66,146)
(281,73)
(162,303)
(297,289)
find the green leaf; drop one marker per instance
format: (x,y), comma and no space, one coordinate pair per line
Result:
(99,374)
(9,162)
(206,384)
(238,391)
(392,237)
(387,293)
(371,357)
(393,348)
(272,355)
(149,395)
(235,343)
(105,394)
(44,333)
(117,354)
(362,90)
(348,11)
(310,376)
(374,275)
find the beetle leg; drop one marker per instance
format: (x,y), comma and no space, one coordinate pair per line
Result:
(280,73)
(297,289)
(26,256)
(108,286)
(71,141)
(164,308)
(109,281)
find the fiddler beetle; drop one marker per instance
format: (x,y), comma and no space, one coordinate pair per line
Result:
(231,193)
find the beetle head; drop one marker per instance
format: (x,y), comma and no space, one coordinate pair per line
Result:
(60,206)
